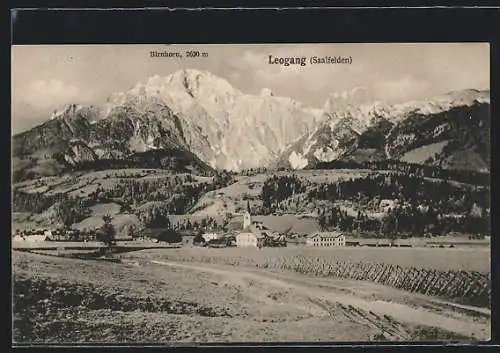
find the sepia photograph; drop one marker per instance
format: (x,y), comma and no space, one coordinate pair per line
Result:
(250,193)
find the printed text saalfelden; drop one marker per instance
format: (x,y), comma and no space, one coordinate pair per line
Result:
(312,60)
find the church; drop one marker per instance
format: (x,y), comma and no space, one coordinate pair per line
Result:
(251,235)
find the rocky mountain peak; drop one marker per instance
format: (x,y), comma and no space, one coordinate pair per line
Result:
(194,82)
(218,119)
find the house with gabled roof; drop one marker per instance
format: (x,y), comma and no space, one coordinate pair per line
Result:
(212,236)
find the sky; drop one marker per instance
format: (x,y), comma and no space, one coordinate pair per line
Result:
(46,77)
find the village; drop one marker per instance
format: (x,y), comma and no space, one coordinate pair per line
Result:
(249,232)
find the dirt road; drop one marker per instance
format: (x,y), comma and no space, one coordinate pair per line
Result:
(391,311)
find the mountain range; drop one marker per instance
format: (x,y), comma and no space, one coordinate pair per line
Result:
(451,131)
(193,120)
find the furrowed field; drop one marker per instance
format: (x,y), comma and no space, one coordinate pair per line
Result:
(467,259)
(461,275)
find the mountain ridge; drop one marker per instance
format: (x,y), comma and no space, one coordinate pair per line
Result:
(340,134)
(197,113)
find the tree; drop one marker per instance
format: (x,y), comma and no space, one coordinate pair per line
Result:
(169,236)
(69,210)
(389,227)
(107,234)
(198,239)
(130,232)
(322,222)
(158,219)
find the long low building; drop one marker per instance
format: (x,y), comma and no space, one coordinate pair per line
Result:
(326,239)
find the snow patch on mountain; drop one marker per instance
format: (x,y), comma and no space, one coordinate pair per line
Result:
(326,154)
(297,160)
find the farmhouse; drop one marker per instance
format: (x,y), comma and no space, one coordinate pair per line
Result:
(385,204)
(211,236)
(325,239)
(187,240)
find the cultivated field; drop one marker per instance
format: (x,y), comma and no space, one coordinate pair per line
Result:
(467,259)
(460,275)
(243,295)
(421,154)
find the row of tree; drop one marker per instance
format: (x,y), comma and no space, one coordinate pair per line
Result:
(403,222)
(175,160)
(33,202)
(279,188)
(443,195)
(465,176)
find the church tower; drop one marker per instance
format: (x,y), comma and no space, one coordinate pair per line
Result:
(247,218)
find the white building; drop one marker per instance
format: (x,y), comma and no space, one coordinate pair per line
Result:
(423,208)
(386,204)
(326,239)
(476,210)
(246,239)
(250,235)
(211,236)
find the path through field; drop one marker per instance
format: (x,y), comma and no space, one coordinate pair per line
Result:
(386,309)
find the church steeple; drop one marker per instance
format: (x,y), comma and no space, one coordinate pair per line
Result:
(247,218)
